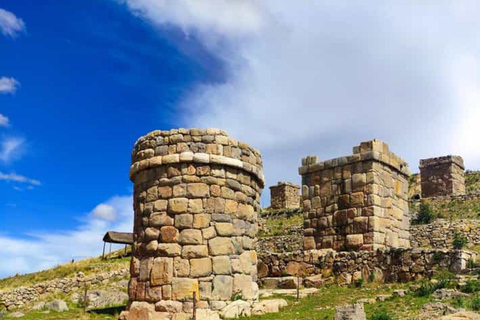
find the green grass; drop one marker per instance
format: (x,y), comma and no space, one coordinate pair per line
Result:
(472,181)
(71,314)
(277,226)
(321,306)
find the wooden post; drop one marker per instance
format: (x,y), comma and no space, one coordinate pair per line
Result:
(298,288)
(194,306)
(103,252)
(110,251)
(125,250)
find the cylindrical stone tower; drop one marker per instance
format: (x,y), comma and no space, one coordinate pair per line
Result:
(196,201)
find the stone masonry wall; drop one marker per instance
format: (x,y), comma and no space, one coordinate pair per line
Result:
(19,297)
(442,176)
(285,195)
(291,241)
(196,202)
(357,202)
(441,233)
(319,267)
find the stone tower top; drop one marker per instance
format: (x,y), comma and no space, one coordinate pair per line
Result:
(368,150)
(208,146)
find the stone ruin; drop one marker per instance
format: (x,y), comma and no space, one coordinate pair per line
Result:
(442,176)
(285,195)
(196,201)
(356,202)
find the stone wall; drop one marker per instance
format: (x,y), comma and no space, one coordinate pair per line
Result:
(196,202)
(319,267)
(442,176)
(291,241)
(448,198)
(441,233)
(285,195)
(19,297)
(356,202)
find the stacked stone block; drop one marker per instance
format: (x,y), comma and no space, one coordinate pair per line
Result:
(196,201)
(357,202)
(285,195)
(442,176)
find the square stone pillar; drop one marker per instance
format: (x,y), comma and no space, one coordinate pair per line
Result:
(356,202)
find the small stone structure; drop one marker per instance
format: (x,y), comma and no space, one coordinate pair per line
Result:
(357,202)
(196,201)
(285,195)
(442,176)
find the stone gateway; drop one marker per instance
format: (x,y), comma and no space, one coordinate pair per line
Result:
(196,201)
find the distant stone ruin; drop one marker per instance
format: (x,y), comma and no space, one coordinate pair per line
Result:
(356,202)
(285,195)
(196,200)
(442,176)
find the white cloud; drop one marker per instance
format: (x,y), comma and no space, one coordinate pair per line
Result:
(223,17)
(4,122)
(42,250)
(8,85)
(11,148)
(10,25)
(319,77)
(19,178)
(104,212)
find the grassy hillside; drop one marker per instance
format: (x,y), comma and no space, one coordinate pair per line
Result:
(469,209)
(278,222)
(472,181)
(87,266)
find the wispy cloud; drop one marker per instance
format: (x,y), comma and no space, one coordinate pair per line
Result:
(4,121)
(8,85)
(11,148)
(104,212)
(10,25)
(19,178)
(42,250)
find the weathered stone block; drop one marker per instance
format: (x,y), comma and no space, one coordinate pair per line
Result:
(162,271)
(200,267)
(220,246)
(190,236)
(184,288)
(222,287)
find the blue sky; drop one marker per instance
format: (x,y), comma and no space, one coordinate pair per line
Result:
(93,78)
(80,81)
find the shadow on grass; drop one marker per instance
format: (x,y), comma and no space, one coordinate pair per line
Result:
(109,310)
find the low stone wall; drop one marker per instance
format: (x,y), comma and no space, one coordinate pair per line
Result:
(459,197)
(22,296)
(291,242)
(394,265)
(441,233)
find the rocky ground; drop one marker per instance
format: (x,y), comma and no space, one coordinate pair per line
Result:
(445,297)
